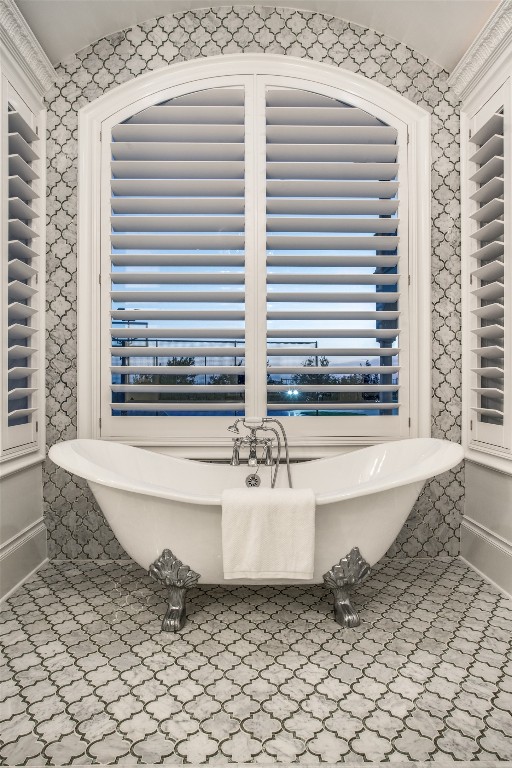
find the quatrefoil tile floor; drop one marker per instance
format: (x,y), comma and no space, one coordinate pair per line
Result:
(259,674)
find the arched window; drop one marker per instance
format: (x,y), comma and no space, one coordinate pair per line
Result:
(259,237)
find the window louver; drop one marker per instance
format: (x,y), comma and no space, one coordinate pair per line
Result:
(487,273)
(177,257)
(332,258)
(254,260)
(21,293)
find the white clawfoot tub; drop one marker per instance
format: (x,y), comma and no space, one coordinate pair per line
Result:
(154,502)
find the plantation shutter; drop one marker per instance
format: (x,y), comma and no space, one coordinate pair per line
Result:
(22,342)
(178,256)
(488,179)
(333,259)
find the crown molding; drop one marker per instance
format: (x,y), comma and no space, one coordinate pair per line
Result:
(484,52)
(20,42)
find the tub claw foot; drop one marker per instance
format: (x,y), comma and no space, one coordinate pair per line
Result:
(351,569)
(178,578)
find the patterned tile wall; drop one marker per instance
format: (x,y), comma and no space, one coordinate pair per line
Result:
(76,527)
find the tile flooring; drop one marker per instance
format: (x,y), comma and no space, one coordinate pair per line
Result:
(258,675)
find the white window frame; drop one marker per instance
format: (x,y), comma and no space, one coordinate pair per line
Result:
(494,456)
(146,90)
(16,89)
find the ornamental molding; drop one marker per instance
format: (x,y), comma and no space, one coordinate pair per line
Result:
(484,52)
(20,42)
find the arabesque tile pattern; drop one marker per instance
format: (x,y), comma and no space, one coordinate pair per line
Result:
(75,525)
(259,674)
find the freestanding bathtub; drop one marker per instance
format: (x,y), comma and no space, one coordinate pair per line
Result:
(166,511)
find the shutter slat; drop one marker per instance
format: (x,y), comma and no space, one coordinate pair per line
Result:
(201,241)
(195,351)
(492,392)
(19,352)
(18,311)
(342,370)
(324,134)
(493,146)
(145,259)
(176,388)
(344,242)
(488,411)
(493,230)
(319,278)
(492,352)
(332,351)
(489,311)
(168,314)
(341,314)
(332,171)
(335,387)
(330,406)
(331,333)
(177,278)
(180,150)
(20,231)
(489,292)
(19,270)
(193,224)
(493,331)
(19,290)
(317,188)
(322,260)
(178,296)
(171,170)
(163,132)
(19,250)
(493,270)
(193,114)
(18,146)
(177,333)
(19,125)
(336,153)
(489,128)
(330,224)
(172,370)
(20,189)
(176,205)
(18,167)
(489,251)
(20,392)
(487,192)
(192,405)
(491,210)
(492,169)
(383,297)
(19,331)
(20,372)
(21,413)
(200,187)
(341,116)
(491,372)
(331,207)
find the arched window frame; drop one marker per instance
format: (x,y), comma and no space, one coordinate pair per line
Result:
(146,90)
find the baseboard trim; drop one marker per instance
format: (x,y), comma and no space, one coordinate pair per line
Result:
(487,554)
(21,558)
(5,597)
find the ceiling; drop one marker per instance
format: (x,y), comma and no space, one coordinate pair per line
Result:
(441,30)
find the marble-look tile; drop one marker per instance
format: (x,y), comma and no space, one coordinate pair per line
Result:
(257,692)
(76,527)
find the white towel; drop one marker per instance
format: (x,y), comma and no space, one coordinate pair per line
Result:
(268,533)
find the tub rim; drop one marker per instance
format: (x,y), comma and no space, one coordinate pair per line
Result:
(445,457)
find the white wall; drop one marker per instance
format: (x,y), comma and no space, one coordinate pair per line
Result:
(486,536)
(22,530)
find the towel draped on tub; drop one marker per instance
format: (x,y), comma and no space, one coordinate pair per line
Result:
(268,533)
